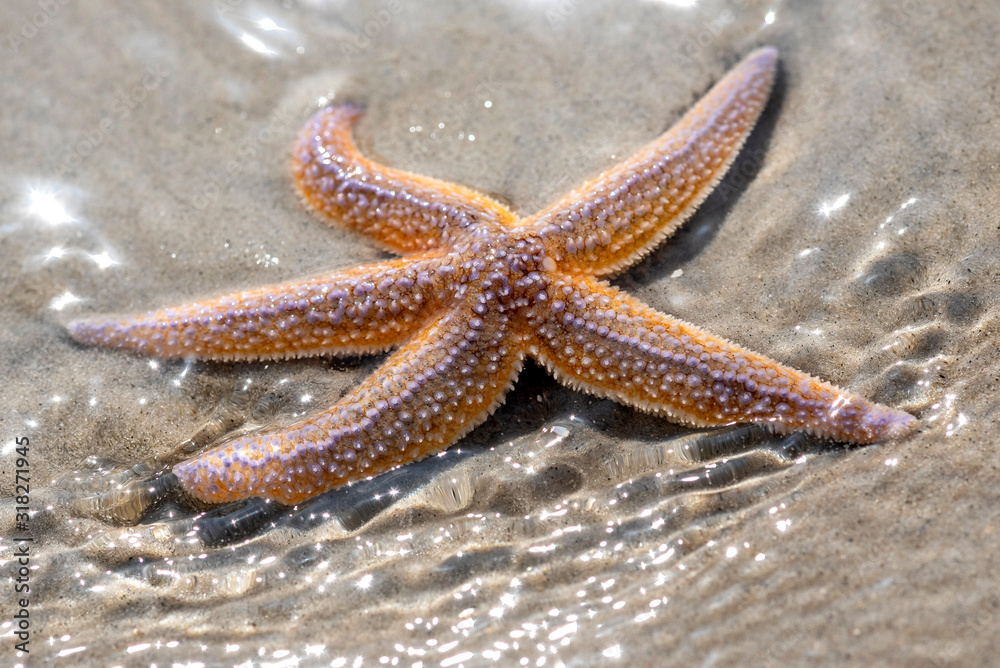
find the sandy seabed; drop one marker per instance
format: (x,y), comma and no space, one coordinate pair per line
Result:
(145,163)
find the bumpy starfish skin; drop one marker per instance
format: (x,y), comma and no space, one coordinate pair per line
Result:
(483,290)
(366,309)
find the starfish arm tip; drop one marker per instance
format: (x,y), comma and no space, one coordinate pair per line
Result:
(96,332)
(888,424)
(77,329)
(765,55)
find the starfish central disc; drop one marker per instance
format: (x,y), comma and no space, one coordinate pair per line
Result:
(478,291)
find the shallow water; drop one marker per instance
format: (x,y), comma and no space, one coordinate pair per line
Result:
(145,164)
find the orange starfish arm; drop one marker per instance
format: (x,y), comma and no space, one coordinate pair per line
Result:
(612,221)
(597,339)
(403,212)
(363,309)
(426,396)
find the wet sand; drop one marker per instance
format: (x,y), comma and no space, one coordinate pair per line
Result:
(146,154)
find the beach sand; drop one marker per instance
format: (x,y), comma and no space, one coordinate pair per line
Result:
(146,154)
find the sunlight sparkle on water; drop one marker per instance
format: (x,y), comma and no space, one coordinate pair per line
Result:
(103,260)
(268,24)
(952,427)
(827,208)
(63,300)
(46,206)
(255,44)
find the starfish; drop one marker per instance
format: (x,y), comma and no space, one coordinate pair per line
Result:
(478,291)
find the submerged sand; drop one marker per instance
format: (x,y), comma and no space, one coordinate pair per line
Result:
(145,163)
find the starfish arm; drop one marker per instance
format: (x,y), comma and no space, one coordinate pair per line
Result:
(597,339)
(365,309)
(403,212)
(426,396)
(612,221)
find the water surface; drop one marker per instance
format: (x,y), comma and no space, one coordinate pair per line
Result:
(146,154)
